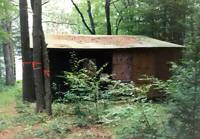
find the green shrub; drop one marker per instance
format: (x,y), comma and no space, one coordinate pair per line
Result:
(184,91)
(83,87)
(91,91)
(58,127)
(90,84)
(144,120)
(60,109)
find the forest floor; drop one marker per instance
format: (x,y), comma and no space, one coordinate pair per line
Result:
(19,121)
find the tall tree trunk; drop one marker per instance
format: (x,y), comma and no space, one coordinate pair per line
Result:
(9,56)
(40,62)
(91,17)
(37,57)
(28,81)
(107,11)
(46,72)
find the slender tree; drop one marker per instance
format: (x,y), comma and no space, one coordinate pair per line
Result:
(107,12)
(9,55)
(92,29)
(28,84)
(8,48)
(91,17)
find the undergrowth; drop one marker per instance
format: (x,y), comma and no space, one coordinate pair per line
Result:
(139,120)
(41,125)
(91,100)
(125,117)
(7,103)
(97,99)
(8,94)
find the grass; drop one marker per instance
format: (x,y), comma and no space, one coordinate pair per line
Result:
(132,120)
(8,94)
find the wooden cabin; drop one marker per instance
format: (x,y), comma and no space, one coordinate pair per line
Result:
(128,57)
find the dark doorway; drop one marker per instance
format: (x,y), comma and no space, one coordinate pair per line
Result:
(60,61)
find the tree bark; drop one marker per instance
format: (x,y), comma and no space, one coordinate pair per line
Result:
(107,11)
(46,72)
(9,56)
(28,81)
(37,57)
(40,62)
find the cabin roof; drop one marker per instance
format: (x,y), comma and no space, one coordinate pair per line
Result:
(62,41)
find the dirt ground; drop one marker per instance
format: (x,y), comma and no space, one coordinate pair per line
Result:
(11,132)
(93,132)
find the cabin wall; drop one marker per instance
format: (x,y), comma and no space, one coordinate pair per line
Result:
(132,64)
(126,64)
(163,59)
(143,63)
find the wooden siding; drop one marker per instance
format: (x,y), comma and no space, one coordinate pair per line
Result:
(133,64)
(143,63)
(122,65)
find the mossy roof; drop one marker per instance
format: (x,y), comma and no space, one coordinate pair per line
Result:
(63,41)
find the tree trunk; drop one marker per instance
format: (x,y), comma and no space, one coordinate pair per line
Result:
(91,17)
(107,11)
(118,22)
(9,56)
(37,57)
(28,83)
(40,62)
(46,72)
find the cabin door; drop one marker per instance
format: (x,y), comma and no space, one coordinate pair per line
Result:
(122,69)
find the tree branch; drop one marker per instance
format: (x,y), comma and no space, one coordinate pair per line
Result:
(82,17)
(45,2)
(118,22)
(119,19)
(61,23)
(112,2)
